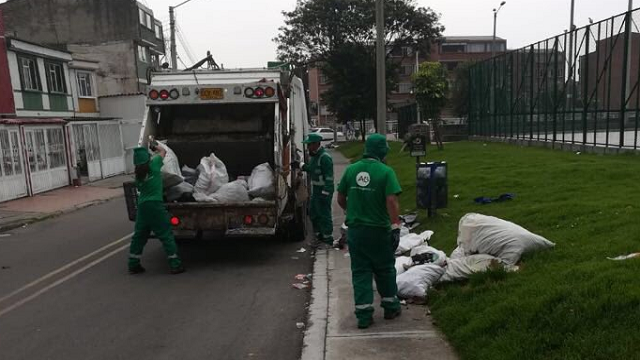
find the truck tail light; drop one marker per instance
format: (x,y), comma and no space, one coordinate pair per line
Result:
(263,219)
(174,94)
(164,94)
(269,91)
(248,219)
(153,94)
(258,92)
(175,221)
(248,92)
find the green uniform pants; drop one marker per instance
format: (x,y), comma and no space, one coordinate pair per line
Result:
(372,257)
(320,215)
(153,216)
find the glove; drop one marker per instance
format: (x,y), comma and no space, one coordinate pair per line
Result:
(395,238)
(153,146)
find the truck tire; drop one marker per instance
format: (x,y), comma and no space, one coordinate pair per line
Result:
(298,226)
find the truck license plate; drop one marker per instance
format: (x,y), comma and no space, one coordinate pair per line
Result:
(211,94)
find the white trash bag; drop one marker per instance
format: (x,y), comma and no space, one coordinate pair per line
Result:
(410,241)
(402,264)
(439,257)
(481,234)
(170,163)
(462,268)
(457,253)
(414,283)
(213,174)
(261,182)
(233,192)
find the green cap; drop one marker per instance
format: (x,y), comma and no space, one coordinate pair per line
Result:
(140,156)
(312,138)
(376,146)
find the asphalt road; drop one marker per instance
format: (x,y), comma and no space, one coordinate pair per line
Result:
(65,294)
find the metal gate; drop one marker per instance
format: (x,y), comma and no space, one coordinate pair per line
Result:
(111,149)
(46,157)
(13,179)
(87,150)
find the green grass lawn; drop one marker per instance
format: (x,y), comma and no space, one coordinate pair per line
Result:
(566,303)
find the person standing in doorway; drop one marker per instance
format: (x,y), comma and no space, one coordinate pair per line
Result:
(368,191)
(320,169)
(151,214)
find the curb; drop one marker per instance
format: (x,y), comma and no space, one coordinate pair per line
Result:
(314,343)
(16,224)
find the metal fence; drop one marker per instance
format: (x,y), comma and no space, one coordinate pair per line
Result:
(580,87)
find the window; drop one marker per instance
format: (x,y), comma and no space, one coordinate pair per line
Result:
(323,79)
(477,48)
(407,51)
(142,53)
(143,17)
(55,147)
(453,48)
(408,69)
(7,156)
(29,74)
(405,88)
(149,21)
(85,84)
(158,31)
(55,77)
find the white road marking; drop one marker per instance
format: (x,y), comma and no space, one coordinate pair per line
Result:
(58,282)
(65,267)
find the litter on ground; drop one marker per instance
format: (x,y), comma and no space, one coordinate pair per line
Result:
(625,257)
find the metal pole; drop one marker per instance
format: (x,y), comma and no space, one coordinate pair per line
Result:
(172,25)
(417,105)
(380,70)
(493,41)
(627,92)
(570,63)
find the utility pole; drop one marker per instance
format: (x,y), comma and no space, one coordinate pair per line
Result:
(381,88)
(172,25)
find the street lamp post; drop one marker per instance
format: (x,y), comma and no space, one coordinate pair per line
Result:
(495,21)
(172,25)
(492,105)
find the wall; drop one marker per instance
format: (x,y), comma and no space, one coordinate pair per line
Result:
(6,92)
(71,21)
(130,109)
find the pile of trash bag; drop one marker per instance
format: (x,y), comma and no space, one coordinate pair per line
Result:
(484,242)
(210,182)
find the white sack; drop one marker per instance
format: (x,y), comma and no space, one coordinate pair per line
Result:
(200,197)
(410,241)
(481,234)
(261,182)
(439,257)
(170,180)
(457,253)
(404,231)
(233,192)
(402,264)
(415,282)
(462,268)
(170,163)
(213,174)
(175,192)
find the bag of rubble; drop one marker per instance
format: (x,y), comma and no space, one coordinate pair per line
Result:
(213,174)
(179,192)
(415,282)
(233,192)
(412,240)
(462,268)
(170,163)
(261,182)
(402,264)
(482,234)
(423,254)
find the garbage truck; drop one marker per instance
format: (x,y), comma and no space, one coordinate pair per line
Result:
(246,118)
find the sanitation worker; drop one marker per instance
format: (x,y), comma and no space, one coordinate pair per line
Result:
(320,169)
(151,214)
(368,192)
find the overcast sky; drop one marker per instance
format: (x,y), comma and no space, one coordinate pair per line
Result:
(239,32)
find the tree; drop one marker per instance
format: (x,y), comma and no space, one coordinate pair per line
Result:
(432,87)
(460,89)
(324,33)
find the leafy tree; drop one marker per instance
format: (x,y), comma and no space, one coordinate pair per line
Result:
(431,87)
(339,37)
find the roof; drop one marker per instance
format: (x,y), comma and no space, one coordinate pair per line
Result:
(32,121)
(16,44)
(80,118)
(470,38)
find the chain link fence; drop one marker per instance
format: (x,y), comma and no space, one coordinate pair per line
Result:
(580,87)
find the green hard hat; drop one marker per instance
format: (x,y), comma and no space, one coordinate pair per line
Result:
(376,146)
(312,138)
(140,156)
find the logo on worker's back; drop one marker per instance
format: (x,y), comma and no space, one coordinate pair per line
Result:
(363,179)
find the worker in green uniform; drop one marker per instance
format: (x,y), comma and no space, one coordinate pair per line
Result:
(320,169)
(368,192)
(151,214)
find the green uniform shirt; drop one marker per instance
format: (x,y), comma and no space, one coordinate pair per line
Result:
(151,187)
(320,169)
(366,184)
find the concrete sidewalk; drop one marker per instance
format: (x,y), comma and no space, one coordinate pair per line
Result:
(332,333)
(16,213)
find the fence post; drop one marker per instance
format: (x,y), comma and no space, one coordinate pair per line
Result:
(531,103)
(585,95)
(623,91)
(556,48)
